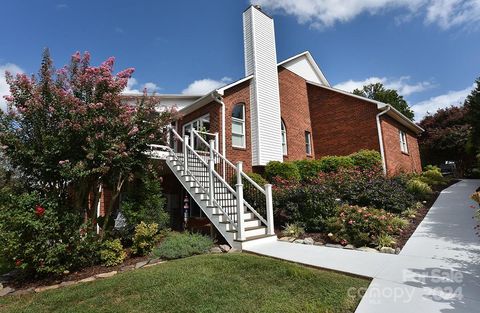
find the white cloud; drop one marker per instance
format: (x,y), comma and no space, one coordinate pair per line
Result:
(326,13)
(203,86)
(442,101)
(401,84)
(4,88)
(133,87)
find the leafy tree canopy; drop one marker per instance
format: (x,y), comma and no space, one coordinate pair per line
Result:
(378,92)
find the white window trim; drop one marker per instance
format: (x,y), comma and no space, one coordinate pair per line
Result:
(284,136)
(403,142)
(242,121)
(193,121)
(308,143)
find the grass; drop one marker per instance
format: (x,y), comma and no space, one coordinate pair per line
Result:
(208,283)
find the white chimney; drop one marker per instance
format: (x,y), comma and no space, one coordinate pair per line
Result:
(261,61)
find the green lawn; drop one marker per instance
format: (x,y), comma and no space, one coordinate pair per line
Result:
(208,283)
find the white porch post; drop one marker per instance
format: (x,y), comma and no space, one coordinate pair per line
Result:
(192,139)
(185,153)
(240,207)
(211,165)
(268,196)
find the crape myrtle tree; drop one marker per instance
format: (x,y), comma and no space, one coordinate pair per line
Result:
(70,132)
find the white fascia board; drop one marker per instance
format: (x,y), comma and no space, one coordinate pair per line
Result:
(221,90)
(206,99)
(394,113)
(312,63)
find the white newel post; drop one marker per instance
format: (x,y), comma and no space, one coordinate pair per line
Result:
(240,215)
(192,139)
(211,166)
(185,153)
(268,195)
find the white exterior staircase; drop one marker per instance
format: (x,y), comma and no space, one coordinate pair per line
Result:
(239,208)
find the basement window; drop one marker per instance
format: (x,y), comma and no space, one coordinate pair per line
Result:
(238,126)
(308,143)
(403,142)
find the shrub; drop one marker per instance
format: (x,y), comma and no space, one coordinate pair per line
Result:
(366,159)
(309,205)
(418,188)
(181,245)
(308,169)
(360,226)
(37,239)
(409,213)
(258,179)
(145,238)
(432,168)
(385,240)
(112,253)
(283,170)
(293,230)
(476,197)
(334,163)
(432,176)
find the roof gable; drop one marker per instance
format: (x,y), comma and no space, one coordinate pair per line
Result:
(305,66)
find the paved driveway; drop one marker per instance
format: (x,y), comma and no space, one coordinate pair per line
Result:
(438,270)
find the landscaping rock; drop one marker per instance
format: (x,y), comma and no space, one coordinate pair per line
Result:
(215,250)
(367,249)
(286,239)
(387,250)
(349,247)
(106,275)
(1,286)
(332,245)
(127,268)
(153,264)
(225,248)
(233,250)
(155,261)
(23,292)
(5,291)
(318,243)
(88,279)
(309,241)
(397,250)
(67,283)
(299,241)
(45,288)
(141,264)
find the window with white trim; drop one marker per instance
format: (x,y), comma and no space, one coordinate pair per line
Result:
(403,142)
(284,139)
(308,143)
(238,126)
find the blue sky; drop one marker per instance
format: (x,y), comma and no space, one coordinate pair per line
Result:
(427,49)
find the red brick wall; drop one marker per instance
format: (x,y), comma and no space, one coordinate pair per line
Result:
(396,160)
(295,113)
(213,108)
(341,124)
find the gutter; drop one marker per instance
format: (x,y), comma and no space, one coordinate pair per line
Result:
(380,138)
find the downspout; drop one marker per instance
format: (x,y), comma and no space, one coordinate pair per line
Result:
(380,139)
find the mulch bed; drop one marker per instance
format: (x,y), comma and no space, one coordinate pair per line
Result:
(19,282)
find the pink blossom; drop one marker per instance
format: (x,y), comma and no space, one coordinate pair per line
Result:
(133,131)
(8,98)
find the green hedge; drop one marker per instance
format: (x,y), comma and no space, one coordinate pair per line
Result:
(282,170)
(334,163)
(366,159)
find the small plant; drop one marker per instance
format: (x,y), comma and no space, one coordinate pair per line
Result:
(385,240)
(398,223)
(293,230)
(410,213)
(112,253)
(145,238)
(476,197)
(432,176)
(334,163)
(366,159)
(418,188)
(181,245)
(282,170)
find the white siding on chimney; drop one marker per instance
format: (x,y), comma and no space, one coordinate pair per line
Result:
(261,61)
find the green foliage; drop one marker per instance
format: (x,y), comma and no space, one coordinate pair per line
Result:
(145,238)
(378,92)
(309,205)
(418,188)
(112,253)
(144,202)
(361,226)
(366,159)
(37,239)
(308,169)
(258,179)
(385,240)
(293,230)
(432,177)
(472,104)
(282,170)
(181,245)
(334,163)
(409,213)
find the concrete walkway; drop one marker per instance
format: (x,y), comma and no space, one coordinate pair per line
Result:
(438,270)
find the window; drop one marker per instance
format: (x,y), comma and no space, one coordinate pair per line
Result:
(284,139)
(403,142)
(200,124)
(238,126)
(308,143)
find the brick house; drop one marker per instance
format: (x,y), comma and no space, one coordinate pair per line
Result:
(280,111)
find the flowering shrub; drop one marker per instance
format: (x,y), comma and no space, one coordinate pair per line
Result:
(37,239)
(360,226)
(112,253)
